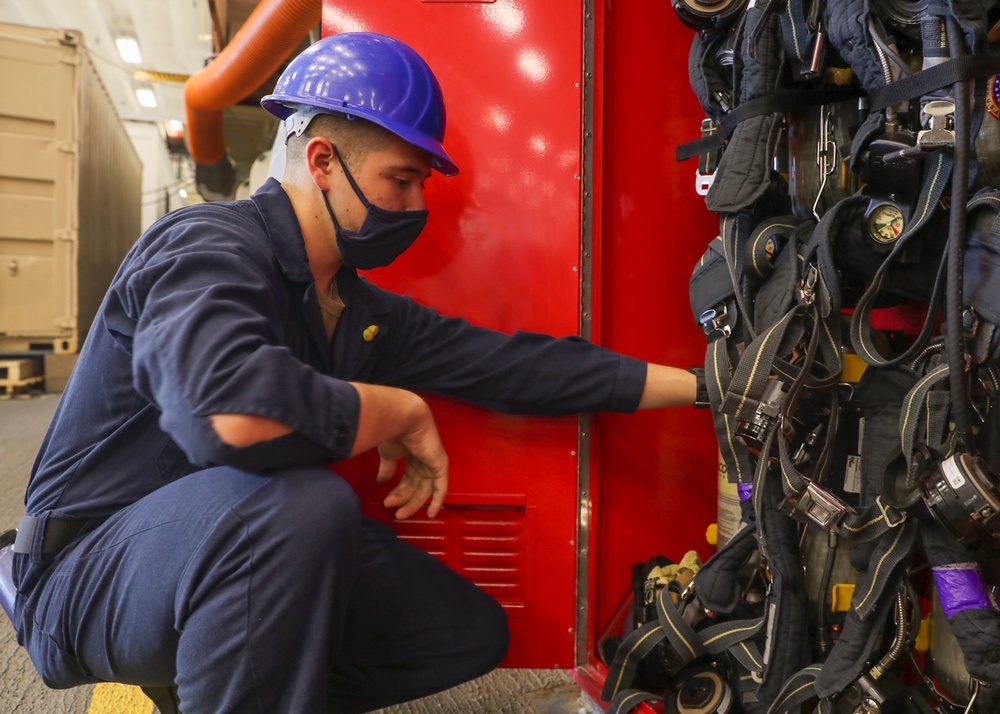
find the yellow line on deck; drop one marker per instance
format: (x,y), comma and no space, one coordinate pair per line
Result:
(109,698)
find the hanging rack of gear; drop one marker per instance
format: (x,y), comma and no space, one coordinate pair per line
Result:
(851,307)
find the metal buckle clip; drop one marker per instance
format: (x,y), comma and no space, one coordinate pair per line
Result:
(941,132)
(816,505)
(713,322)
(704,176)
(807,286)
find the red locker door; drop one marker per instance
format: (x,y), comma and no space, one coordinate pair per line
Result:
(502,248)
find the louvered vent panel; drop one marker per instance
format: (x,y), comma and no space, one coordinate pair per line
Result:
(486,544)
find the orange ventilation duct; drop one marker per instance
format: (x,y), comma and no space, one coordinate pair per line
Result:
(258,48)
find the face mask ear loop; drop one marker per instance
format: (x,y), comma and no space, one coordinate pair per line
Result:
(350,178)
(329,209)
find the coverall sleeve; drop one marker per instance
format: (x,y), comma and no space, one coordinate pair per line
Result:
(207,340)
(521,373)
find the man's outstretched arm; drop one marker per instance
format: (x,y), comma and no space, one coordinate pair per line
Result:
(668,387)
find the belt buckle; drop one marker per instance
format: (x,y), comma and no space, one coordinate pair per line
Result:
(818,506)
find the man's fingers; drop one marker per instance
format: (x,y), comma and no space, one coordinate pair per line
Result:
(386,469)
(414,490)
(414,500)
(440,486)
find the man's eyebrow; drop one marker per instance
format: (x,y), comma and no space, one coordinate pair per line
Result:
(406,168)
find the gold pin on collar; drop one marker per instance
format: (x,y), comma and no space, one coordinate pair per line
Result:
(370,332)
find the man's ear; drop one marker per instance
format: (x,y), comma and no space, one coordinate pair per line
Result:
(321,156)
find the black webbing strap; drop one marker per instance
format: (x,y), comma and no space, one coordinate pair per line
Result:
(682,637)
(887,562)
(754,370)
(778,103)
(912,414)
(786,649)
(629,655)
(874,597)
(735,636)
(936,77)
(687,644)
(58,533)
(718,375)
(734,230)
(628,699)
(669,625)
(719,357)
(935,181)
(799,689)
(903,89)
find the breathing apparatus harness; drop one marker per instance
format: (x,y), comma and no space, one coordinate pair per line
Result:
(770,294)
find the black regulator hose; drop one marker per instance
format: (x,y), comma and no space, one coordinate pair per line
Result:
(955,335)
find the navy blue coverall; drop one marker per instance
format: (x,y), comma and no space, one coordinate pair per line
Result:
(248,575)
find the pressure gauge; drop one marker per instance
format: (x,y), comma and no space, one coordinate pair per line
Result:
(885,223)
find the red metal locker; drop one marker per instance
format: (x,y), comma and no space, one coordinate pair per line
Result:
(569,212)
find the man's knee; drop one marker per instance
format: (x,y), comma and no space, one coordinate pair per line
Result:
(312,501)
(496,634)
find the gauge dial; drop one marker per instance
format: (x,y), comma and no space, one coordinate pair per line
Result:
(885,223)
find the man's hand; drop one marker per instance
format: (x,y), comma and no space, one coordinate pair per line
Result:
(401,424)
(424,476)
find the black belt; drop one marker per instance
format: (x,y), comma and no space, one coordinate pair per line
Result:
(59,532)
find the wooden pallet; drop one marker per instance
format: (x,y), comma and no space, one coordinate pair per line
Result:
(20,387)
(16,370)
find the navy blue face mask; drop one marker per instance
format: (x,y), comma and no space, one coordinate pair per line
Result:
(383,235)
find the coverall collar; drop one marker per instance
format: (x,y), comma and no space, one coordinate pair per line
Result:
(283,230)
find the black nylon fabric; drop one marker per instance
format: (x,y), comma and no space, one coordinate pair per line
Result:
(710,283)
(717,582)
(847,31)
(976,630)
(881,392)
(788,647)
(981,284)
(972,16)
(822,243)
(707,78)
(744,172)
(861,636)
(778,294)
(978,634)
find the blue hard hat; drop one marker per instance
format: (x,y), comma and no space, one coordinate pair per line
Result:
(367,75)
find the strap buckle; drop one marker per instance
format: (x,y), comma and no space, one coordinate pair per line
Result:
(806,288)
(885,509)
(816,505)
(714,322)
(941,131)
(708,162)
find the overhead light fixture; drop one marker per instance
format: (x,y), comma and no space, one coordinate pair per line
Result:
(128,48)
(146,97)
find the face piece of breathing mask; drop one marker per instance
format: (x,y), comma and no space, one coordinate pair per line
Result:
(383,235)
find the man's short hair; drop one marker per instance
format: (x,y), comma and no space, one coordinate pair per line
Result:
(354,138)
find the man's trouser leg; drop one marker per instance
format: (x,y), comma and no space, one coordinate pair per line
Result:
(233,585)
(414,627)
(244,589)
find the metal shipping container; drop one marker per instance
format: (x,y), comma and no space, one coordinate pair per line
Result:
(70,190)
